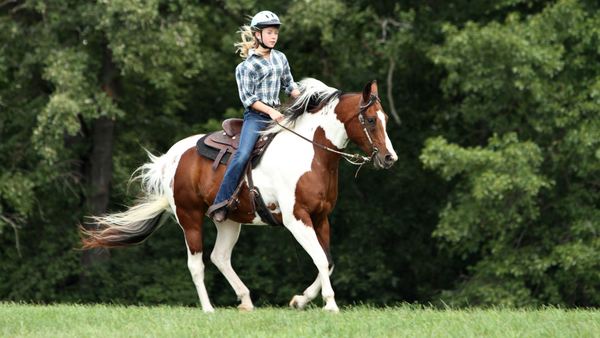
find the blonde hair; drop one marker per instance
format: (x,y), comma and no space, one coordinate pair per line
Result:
(248,41)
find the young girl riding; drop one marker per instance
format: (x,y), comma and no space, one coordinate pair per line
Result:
(260,77)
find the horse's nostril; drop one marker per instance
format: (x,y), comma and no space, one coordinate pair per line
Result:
(389,159)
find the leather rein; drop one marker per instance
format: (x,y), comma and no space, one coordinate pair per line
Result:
(353,159)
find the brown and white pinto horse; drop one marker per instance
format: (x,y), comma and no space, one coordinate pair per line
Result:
(297,180)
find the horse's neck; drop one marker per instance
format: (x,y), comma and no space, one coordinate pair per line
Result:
(326,119)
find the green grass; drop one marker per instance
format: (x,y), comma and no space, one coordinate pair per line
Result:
(22,320)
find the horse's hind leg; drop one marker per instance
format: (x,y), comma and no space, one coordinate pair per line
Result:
(227,236)
(191,223)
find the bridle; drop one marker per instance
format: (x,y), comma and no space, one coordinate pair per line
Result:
(361,118)
(355,159)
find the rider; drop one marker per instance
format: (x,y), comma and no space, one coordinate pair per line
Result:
(260,77)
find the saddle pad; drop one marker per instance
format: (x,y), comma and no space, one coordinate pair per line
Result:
(210,152)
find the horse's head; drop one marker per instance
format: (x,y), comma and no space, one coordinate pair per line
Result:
(367,126)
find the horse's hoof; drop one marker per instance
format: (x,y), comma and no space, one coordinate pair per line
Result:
(245,308)
(295,304)
(332,310)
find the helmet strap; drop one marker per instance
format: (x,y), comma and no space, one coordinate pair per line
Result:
(260,41)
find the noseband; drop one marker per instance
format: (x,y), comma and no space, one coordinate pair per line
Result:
(355,159)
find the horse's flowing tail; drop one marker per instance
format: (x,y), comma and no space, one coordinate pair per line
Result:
(137,223)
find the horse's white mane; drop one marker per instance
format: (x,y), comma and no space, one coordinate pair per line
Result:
(309,88)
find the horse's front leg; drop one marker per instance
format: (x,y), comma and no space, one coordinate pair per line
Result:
(300,301)
(316,243)
(227,235)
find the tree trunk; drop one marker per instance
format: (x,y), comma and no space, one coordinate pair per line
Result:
(100,178)
(100,161)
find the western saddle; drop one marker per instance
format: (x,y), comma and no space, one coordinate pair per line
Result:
(220,146)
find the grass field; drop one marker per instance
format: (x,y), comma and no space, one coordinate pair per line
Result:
(21,320)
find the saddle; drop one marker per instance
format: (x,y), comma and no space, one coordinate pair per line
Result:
(220,146)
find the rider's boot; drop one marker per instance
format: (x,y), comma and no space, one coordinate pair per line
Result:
(220,215)
(219,212)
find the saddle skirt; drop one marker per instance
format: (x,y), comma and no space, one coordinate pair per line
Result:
(220,146)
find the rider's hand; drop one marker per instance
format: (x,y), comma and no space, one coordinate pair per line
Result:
(275,115)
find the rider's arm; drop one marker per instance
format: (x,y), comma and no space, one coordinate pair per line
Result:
(287,80)
(244,77)
(261,107)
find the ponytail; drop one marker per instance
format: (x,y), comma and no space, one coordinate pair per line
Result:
(248,41)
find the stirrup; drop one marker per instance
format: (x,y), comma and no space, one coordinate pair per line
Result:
(229,205)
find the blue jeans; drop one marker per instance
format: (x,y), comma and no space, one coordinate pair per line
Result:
(253,123)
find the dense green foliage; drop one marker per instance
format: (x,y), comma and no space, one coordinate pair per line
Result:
(526,203)
(493,111)
(20,320)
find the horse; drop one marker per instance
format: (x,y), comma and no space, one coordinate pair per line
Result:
(297,176)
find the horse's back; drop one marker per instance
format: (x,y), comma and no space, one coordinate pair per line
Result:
(184,144)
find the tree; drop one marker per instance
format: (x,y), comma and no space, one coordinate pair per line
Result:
(66,63)
(524,168)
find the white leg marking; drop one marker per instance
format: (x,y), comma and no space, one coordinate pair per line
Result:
(196,267)
(309,294)
(308,239)
(227,235)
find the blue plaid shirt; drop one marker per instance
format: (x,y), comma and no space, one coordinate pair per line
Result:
(261,79)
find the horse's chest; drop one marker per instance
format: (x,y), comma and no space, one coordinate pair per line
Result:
(282,166)
(290,174)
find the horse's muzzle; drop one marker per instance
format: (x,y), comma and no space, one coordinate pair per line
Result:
(384,162)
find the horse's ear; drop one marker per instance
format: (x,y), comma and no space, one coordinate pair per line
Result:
(374,88)
(370,88)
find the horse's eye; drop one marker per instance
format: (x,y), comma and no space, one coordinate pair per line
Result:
(371,120)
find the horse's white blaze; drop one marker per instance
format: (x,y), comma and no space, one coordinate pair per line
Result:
(388,143)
